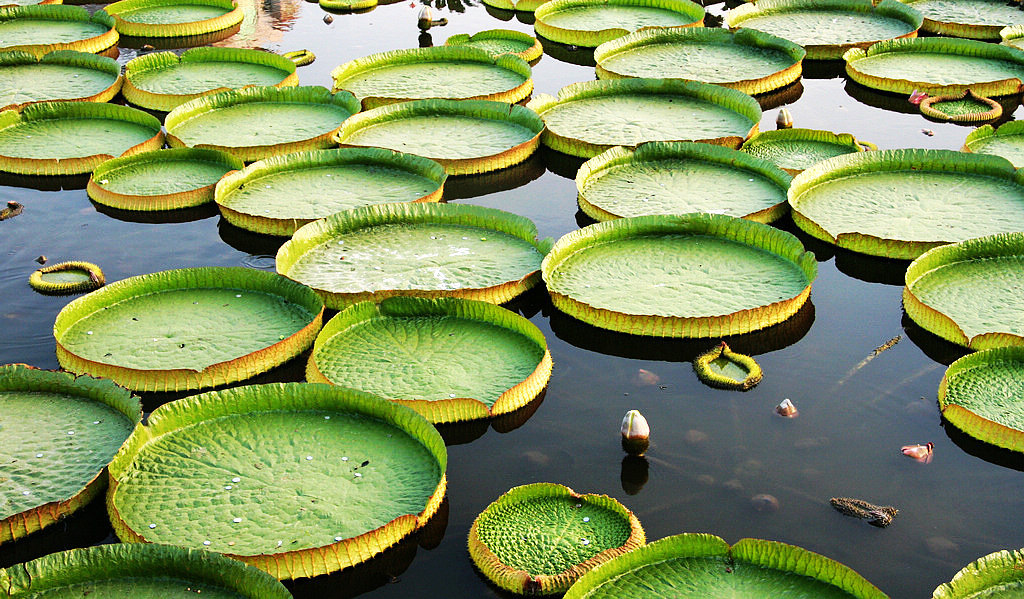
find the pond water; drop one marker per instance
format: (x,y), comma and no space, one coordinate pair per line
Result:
(711,450)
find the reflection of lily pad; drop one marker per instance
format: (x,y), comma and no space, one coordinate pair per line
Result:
(706,566)
(296,479)
(45,28)
(689,275)
(1006,141)
(501,41)
(62,75)
(980,395)
(794,150)
(449,359)
(188,328)
(174,18)
(590,23)
(966,107)
(994,576)
(975,19)
(61,431)
(513,5)
(540,538)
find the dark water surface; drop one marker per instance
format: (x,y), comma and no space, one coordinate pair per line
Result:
(712,450)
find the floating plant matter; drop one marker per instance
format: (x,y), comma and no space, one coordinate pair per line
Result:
(66,278)
(875,515)
(348,5)
(40,29)
(174,18)
(980,395)
(635,433)
(975,19)
(590,23)
(795,150)
(716,368)
(301,58)
(11,210)
(998,575)
(920,452)
(63,75)
(965,107)
(527,6)
(501,41)
(1006,141)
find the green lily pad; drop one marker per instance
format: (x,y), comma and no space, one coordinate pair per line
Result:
(425,250)
(163,80)
(348,5)
(527,6)
(997,575)
(139,571)
(540,538)
(500,41)
(703,565)
(751,61)
(187,329)
(980,395)
(64,75)
(901,203)
(590,117)
(297,479)
(40,29)
(449,359)
(278,195)
(66,278)
(965,107)
(1006,141)
(258,122)
(161,179)
(590,23)
(442,72)
(975,19)
(174,18)
(58,434)
(827,29)
(688,275)
(1013,36)
(70,138)
(795,150)
(723,368)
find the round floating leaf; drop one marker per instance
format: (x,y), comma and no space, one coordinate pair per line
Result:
(59,432)
(424,250)
(278,195)
(442,72)
(188,328)
(40,29)
(901,203)
(258,122)
(301,58)
(937,66)
(999,574)
(827,29)
(703,565)
(161,179)
(174,18)
(297,479)
(501,41)
(1006,141)
(65,75)
(66,278)
(751,61)
(449,359)
(969,292)
(980,395)
(464,136)
(680,177)
(723,368)
(590,117)
(976,19)
(966,107)
(689,275)
(71,138)
(517,5)
(795,150)
(163,80)
(540,538)
(590,23)
(134,570)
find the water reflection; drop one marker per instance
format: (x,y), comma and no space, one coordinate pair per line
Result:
(44,182)
(871,269)
(170,43)
(159,217)
(933,346)
(634,474)
(984,451)
(561,164)
(459,433)
(824,69)
(471,186)
(577,55)
(899,103)
(780,97)
(248,241)
(87,526)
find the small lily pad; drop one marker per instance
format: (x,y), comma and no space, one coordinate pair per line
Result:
(65,278)
(965,107)
(980,395)
(723,368)
(501,41)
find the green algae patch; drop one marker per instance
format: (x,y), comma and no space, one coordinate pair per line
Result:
(500,41)
(974,19)
(65,278)
(590,23)
(174,18)
(980,395)
(59,433)
(966,107)
(540,538)
(1006,141)
(62,75)
(795,150)
(449,359)
(997,575)
(297,479)
(40,29)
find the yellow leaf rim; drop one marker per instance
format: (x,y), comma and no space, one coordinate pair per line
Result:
(60,12)
(459,409)
(72,58)
(707,36)
(22,377)
(702,366)
(517,5)
(953,29)
(765,237)
(1010,129)
(1010,35)
(522,582)
(885,8)
(971,423)
(78,165)
(165,102)
(232,16)
(692,11)
(995,109)
(529,55)
(94,281)
(183,379)
(166,201)
(781,136)
(303,563)
(347,5)
(300,58)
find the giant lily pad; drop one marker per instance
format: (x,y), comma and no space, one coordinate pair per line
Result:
(681,177)
(62,75)
(998,575)
(590,117)
(59,433)
(449,359)
(751,61)
(464,136)
(163,80)
(975,19)
(40,29)
(174,18)
(187,329)
(901,203)
(980,395)
(969,292)
(444,72)
(500,41)
(425,250)
(160,180)
(134,570)
(689,275)
(297,479)
(1013,36)
(828,28)
(795,150)
(703,565)
(591,23)
(1006,141)
(540,538)
(257,122)
(938,66)
(70,138)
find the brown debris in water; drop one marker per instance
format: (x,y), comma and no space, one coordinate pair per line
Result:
(875,515)
(13,209)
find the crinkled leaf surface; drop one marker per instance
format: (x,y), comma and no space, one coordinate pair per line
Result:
(991,390)
(981,296)
(432,79)
(71,137)
(828,27)
(796,154)
(938,68)
(448,136)
(499,45)
(973,12)
(198,77)
(41,81)
(1010,147)
(606,16)
(137,588)
(166,14)
(260,124)
(26,31)
(156,177)
(698,60)
(961,107)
